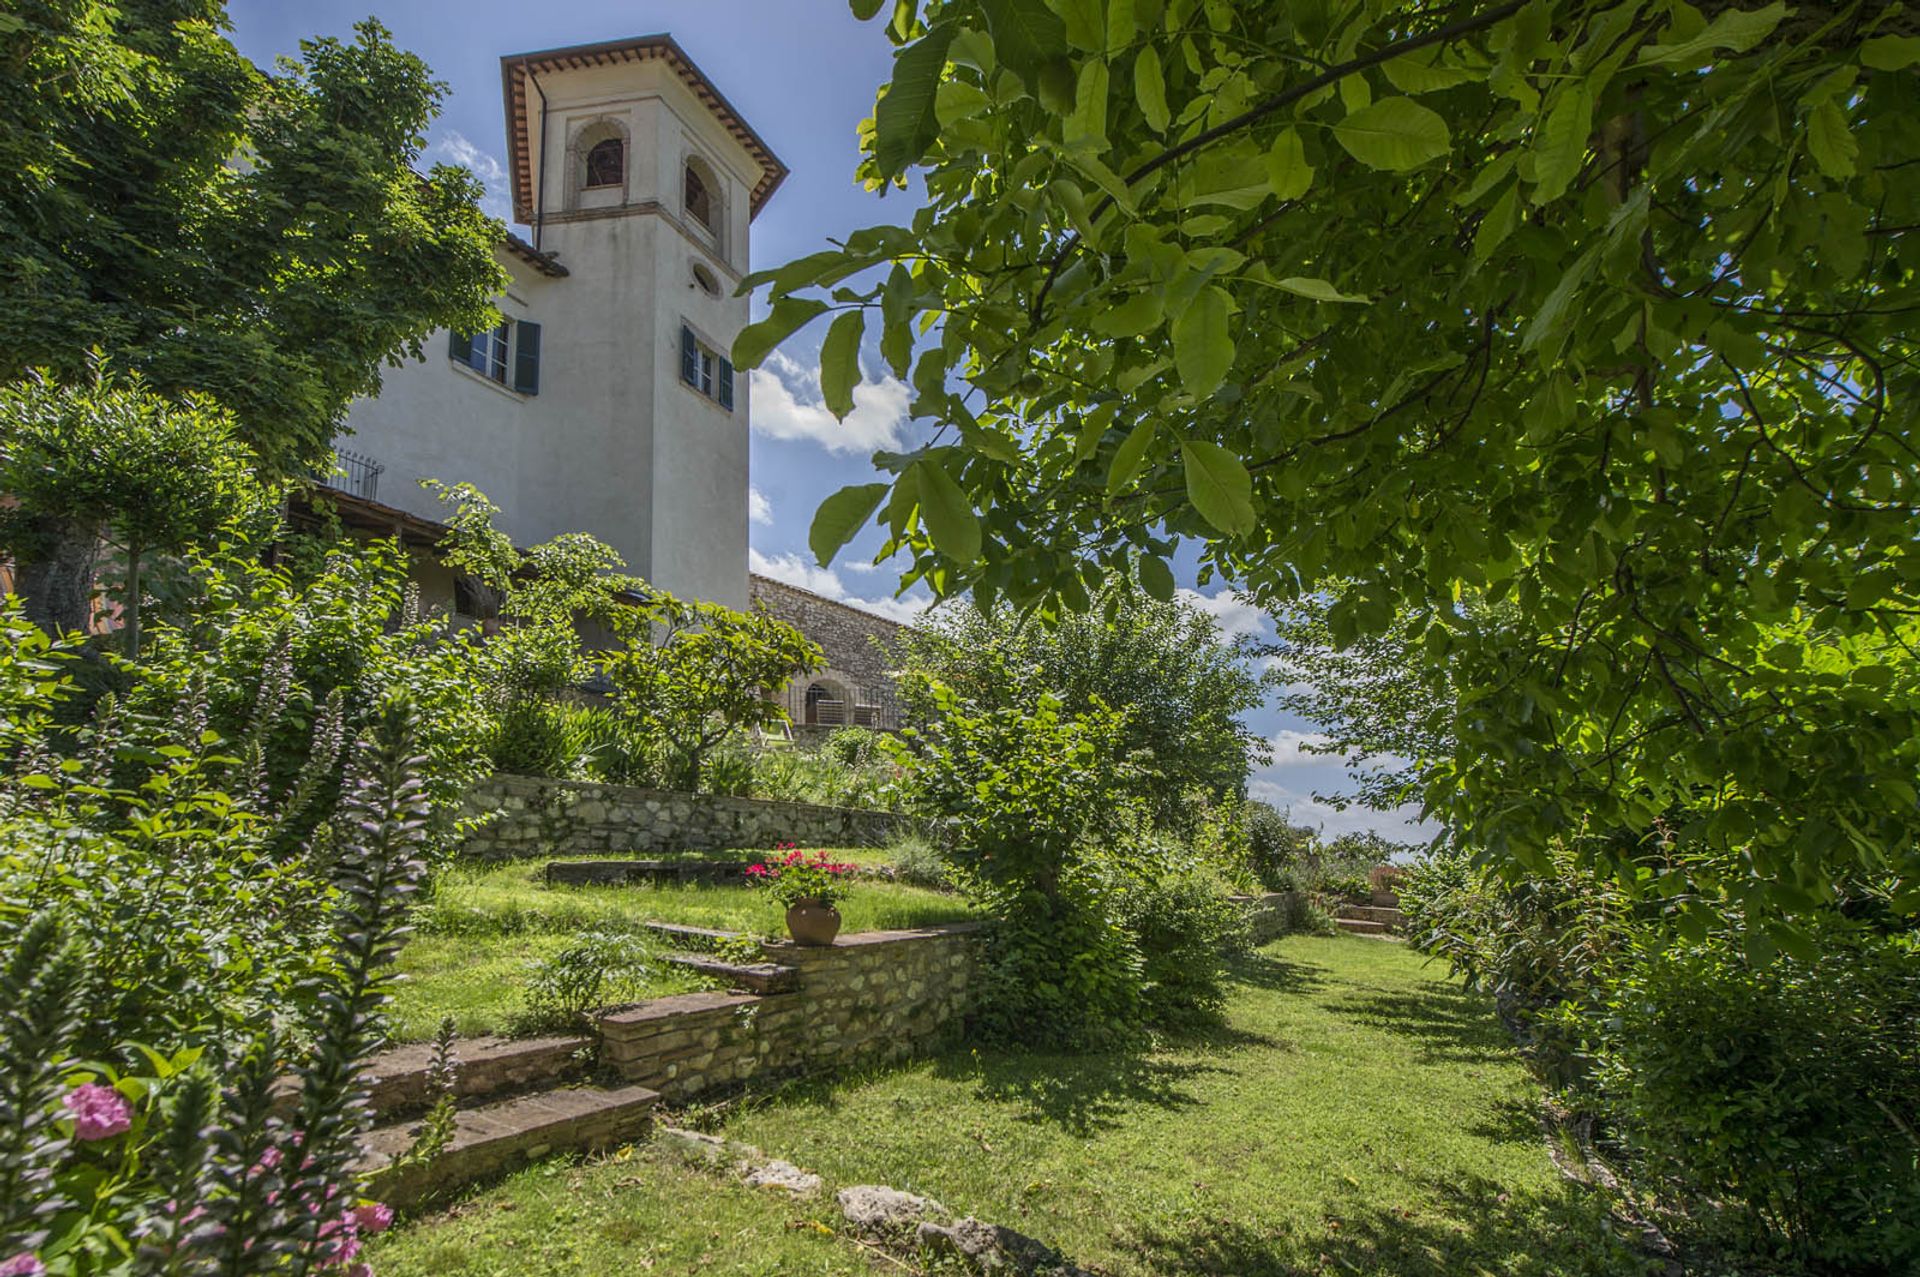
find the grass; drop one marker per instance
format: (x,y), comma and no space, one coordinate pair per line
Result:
(485,925)
(1356,1114)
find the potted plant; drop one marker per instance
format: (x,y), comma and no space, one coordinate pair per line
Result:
(808,887)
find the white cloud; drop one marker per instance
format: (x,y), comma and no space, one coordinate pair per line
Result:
(787,405)
(825,582)
(454,148)
(1236,616)
(759,509)
(1289,749)
(1402,825)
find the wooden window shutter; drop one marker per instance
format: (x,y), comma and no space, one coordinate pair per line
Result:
(526,357)
(459,348)
(725,386)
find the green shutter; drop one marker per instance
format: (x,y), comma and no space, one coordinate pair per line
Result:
(526,357)
(725,386)
(689,357)
(459,349)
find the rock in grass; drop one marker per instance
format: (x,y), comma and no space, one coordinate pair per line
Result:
(786,1177)
(887,1214)
(992,1248)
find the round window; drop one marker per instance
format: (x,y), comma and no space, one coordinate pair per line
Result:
(704,278)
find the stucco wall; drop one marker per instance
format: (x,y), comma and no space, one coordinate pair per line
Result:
(533,816)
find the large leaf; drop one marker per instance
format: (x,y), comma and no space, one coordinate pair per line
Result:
(904,121)
(1561,144)
(1088,124)
(756,341)
(1890,52)
(841,516)
(1394,134)
(1027,36)
(1202,350)
(1156,578)
(1287,169)
(1736,30)
(950,520)
(1219,486)
(1130,456)
(1085,22)
(840,362)
(1830,141)
(1318,289)
(1150,89)
(864,9)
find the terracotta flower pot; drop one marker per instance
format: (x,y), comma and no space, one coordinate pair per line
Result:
(810,922)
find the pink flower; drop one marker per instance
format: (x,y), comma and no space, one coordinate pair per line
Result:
(374,1217)
(99,1112)
(25,1264)
(756,871)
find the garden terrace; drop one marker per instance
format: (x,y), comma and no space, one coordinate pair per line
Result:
(1355,1113)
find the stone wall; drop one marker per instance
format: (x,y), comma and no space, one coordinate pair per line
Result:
(1274,914)
(869,997)
(858,649)
(537,816)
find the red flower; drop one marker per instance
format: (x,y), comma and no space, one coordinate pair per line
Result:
(756,871)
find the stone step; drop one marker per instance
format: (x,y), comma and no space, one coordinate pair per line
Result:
(1386,899)
(1361,927)
(502,1136)
(616,873)
(486,1068)
(1372,913)
(757,977)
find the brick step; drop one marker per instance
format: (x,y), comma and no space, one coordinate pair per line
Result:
(1372,913)
(505,1135)
(757,977)
(614,873)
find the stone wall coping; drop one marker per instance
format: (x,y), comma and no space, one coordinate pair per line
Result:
(868,939)
(637,793)
(678,1004)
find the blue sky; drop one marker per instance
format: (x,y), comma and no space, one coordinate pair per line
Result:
(803,73)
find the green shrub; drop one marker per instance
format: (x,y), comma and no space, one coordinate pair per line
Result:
(917,862)
(1784,1091)
(611,750)
(1175,912)
(867,779)
(854,746)
(538,737)
(728,768)
(1275,846)
(599,968)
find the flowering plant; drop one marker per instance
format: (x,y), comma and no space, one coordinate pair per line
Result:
(790,877)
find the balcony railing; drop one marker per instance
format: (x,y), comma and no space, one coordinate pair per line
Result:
(353,473)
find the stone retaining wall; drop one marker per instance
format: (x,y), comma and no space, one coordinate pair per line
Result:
(869,997)
(537,816)
(1272,915)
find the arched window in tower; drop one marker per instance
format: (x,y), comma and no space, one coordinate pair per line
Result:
(698,197)
(606,163)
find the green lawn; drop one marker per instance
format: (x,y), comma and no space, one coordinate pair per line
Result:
(485,925)
(1357,1114)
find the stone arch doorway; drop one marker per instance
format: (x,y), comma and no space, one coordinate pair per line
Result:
(825,704)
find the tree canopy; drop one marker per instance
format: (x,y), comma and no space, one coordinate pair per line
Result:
(261,237)
(1598,308)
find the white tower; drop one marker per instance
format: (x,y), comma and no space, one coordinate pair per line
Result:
(606,403)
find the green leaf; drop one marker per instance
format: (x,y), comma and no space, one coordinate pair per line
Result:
(1830,141)
(1088,123)
(841,516)
(1156,578)
(1219,486)
(1418,73)
(1150,89)
(1085,22)
(1560,145)
(1736,30)
(1396,134)
(756,341)
(1122,24)
(1027,36)
(865,9)
(896,317)
(904,121)
(1890,52)
(1202,351)
(1318,289)
(840,362)
(950,520)
(1499,223)
(1287,169)
(1130,455)
(1140,313)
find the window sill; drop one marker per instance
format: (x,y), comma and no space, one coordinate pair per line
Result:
(704,397)
(498,387)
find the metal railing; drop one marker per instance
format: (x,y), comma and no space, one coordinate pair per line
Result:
(353,473)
